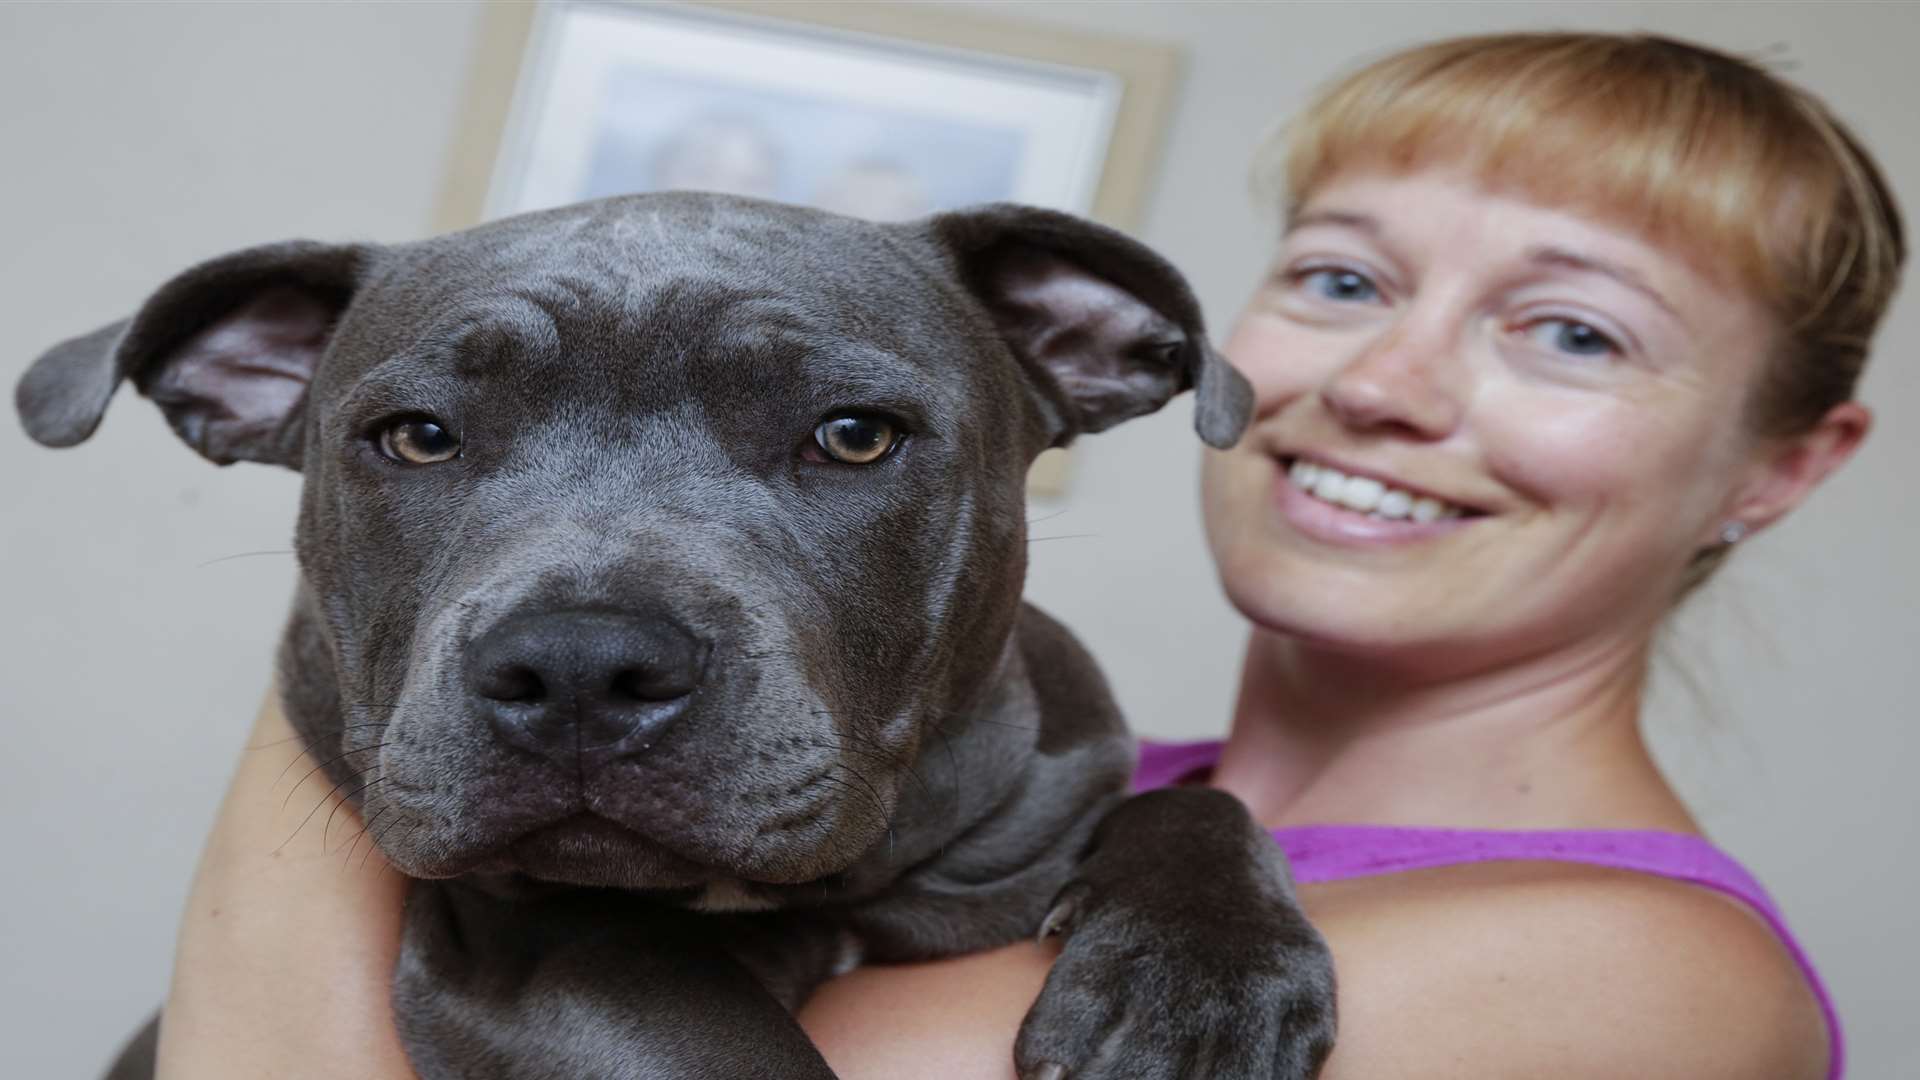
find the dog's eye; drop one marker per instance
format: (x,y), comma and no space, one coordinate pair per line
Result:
(857,438)
(418,441)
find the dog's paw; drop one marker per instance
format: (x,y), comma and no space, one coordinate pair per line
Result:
(1185,955)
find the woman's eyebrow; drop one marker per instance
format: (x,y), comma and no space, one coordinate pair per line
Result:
(1561,257)
(1365,223)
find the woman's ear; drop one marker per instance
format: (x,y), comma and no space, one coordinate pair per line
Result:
(1788,470)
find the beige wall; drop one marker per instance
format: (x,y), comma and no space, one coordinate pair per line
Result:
(136,139)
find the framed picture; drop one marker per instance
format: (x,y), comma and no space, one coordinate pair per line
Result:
(885,111)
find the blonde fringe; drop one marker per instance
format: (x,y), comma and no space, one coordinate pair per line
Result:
(1699,151)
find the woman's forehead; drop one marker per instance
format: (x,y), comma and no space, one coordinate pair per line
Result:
(1447,205)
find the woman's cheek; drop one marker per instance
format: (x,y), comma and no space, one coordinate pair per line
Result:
(1623,482)
(1561,453)
(1278,357)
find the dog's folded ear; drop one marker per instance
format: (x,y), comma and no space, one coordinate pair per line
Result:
(226,349)
(1106,329)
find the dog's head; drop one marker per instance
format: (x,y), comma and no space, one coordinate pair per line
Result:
(644,541)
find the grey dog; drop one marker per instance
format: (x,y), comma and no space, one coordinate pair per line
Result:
(659,610)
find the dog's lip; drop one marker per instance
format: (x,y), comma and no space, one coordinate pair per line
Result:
(585,848)
(582,824)
(586,828)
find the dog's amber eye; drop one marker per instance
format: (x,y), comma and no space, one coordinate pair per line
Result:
(419,441)
(857,438)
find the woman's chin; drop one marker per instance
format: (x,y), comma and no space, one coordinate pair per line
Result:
(1395,619)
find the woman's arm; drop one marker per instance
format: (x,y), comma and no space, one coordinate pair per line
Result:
(1503,971)
(286,954)
(286,949)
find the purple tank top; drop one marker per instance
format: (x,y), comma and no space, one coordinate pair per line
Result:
(1335,852)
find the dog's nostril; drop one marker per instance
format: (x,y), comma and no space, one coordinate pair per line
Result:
(564,683)
(644,685)
(514,682)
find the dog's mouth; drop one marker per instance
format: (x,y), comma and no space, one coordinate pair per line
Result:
(588,849)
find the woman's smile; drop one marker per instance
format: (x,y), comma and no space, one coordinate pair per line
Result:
(1337,506)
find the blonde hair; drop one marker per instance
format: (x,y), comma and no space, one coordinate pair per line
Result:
(1696,150)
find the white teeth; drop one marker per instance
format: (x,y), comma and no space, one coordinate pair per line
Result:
(1329,484)
(1364,494)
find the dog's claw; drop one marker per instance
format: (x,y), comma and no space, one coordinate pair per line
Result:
(1061,915)
(1054,923)
(1047,1070)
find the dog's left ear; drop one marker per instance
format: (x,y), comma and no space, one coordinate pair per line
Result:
(226,349)
(1106,329)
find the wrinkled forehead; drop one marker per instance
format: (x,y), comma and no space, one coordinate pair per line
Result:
(625,299)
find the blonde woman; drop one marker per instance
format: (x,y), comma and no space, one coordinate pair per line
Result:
(1555,323)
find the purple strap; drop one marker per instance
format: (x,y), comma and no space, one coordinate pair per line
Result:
(1335,852)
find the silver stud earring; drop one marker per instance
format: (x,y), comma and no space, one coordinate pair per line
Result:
(1733,532)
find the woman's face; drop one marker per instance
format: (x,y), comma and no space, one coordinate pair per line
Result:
(1482,427)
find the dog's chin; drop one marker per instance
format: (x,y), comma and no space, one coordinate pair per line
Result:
(587,849)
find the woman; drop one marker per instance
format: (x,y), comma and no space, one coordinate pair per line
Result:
(1557,320)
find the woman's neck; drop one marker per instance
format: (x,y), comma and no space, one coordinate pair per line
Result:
(1549,743)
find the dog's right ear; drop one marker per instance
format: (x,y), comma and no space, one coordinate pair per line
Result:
(226,349)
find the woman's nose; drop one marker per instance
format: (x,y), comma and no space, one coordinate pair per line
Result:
(1403,383)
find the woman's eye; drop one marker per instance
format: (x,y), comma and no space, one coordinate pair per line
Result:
(1572,337)
(857,438)
(418,441)
(1334,283)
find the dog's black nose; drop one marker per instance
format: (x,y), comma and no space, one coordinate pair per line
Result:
(569,684)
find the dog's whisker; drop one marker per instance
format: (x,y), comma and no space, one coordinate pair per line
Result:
(347,846)
(771,654)
(897,760)
(271,743)
(379,704)
(337,757)
(999,723)
(880,804)
(303,821)
(343,800)
(867,795)
(879,812)
(953,763)
(902,760)
(243,555)
(375,845)
(386,863)
(363,832)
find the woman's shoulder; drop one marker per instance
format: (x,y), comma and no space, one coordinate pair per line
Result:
(1562,969)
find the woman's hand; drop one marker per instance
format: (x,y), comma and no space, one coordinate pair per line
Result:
(287,946)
